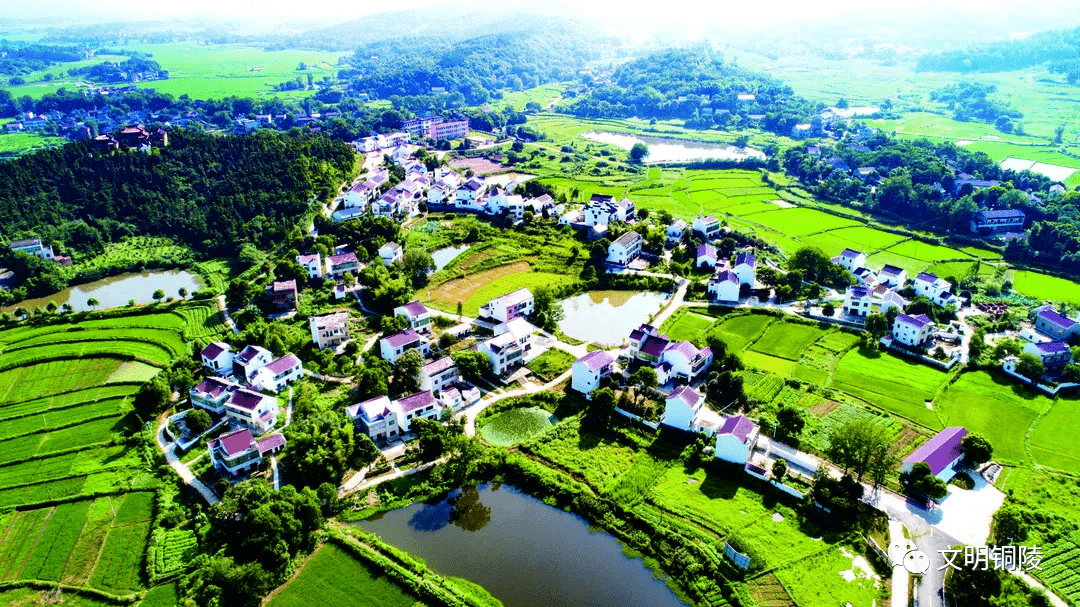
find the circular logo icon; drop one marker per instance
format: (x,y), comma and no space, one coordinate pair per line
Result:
(916,561)
(898,550)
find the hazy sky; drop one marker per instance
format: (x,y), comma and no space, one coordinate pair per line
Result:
(689,14)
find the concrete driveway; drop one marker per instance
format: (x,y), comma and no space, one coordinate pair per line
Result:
(967,515)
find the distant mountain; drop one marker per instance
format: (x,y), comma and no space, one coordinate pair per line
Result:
(1007,55)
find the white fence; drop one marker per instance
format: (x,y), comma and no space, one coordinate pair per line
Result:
(630,415)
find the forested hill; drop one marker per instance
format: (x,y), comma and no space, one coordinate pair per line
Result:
(475,67)
(212,192)
(694,85)
(1059,47)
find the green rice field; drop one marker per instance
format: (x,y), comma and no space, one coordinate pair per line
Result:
(332,577)
(516,426)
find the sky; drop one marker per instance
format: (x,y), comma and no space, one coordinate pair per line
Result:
(687,15)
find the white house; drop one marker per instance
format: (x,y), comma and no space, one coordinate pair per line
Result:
(676,230)
(218,357)
(438,375)
(312,263)
(890,299)
(329,330)
(912,330)
(1051,322)
(377,417)
(735,440)
(280,373)
(360,194)
(341,264)
(724,286)
(417,315)
(708,227)
(589,369)
(746,268)
(390,253)
(257,412)
(687,362)
(942,453)
(394,346)
(507,351)
(682,407)
(850,260)
(892,276)
(1054,355)
(239,453)
(857,301)
(928,284)
(422,404)
(33,246)
(470,191)
(510,306)
(705,257)
(250,360)
(625,249)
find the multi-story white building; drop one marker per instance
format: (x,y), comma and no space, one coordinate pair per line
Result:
(238,452)
(33,246)
(735,440)
(708,227)
(394,346)
(625,249)
(857,301)
(329,330)
(436,376)
(912,331)
(587,371)
(676,230)
(685,361)
(390,253)
(850,260)
(279,374)
(746,268)
(508,351)
(218,357)
(505,308)
(417,315)
(312,263)
(892,276)
(250,360)
(341,264)
(685,409)
(724,286)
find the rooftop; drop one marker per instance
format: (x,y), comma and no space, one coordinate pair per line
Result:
(414,308)
(596,360)
(438,366)
(627,239)
(235,442)
(941,450)
(283,364)
(918,321)
(738,426)
(1053,316)
(342,258)
(416,401)
(271,442)
(215,349)
(687,395)
(406,337)
(745,258)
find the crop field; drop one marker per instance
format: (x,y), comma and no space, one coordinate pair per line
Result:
(1005,410)
(32,597)
(1046,287)
(689,326)
(739,331)
(332,577)
(516,426)
(892,383)
(477,289)
(543,94)
(65,543)
(1054,432)
(801,221)
(551,364)
(787,340)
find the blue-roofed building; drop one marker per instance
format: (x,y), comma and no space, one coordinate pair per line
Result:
(997,221)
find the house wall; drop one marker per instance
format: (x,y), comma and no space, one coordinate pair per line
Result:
(729,449)
(677,414)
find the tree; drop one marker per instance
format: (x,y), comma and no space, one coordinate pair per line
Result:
(418,264)
(977,450)
(971,586)
(319,449)
(639,152)
(197,421)
(921,481)
(789,423)
(159,295)
(1030,367)
(828,309)
(182,292)
(546,310)
(407,372)
(603,405)
(779,470)
(877,325)
(152,397)
(91,303)
(473,365)
(860,446)
(645,379)
(365,452)
(430,435)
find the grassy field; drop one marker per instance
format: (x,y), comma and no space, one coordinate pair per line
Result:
(1044,286)
(1053,432)
(551,364)
(516,426)
(787,340)
(892,383)
(332,577)
(688,326)
(740,331)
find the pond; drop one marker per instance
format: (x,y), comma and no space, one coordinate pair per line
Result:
(445,256)
(118,290)
(663,149)
(608,317)
(522,551)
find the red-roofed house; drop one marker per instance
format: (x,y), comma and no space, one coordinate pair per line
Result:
(218,357)
(941,453)
(279,373)
(589,369)
(735,440)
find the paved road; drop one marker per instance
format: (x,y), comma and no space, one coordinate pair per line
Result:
(900,575)
(225,313)
(358,482)
(181,469)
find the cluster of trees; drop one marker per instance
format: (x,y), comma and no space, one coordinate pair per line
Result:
(474,68)
(971,101)
(110,71)
(694,85)
(17,58)
(1007,55)
(210,192)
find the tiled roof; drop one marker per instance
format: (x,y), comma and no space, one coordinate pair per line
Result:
(274,441)
(685,348)
(215,349)
(285,363)
(745,258)
(514,297)
(415,308)
(654,345)
(342,258)
(926,277)
(918,321)
(850,253)
(416,401)
(312,258)
(406,337)
(331,321)
(249,353)
(285,285)
(26,242)
(738,426)
(596,360)
(214,386)
(236,442)
(1052,347)
(858,292)
(941,450)
(678,224)
(1053,316)
(726,276)
(373,408)
(687,395)
(438,366)
(1002,214)
(627,239)
(706,250)
(246,399)
(891,270)
(392,247)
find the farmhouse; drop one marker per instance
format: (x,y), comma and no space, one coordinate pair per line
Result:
(33,246)
(685,409)
(255,411)
(417,315)
(394,346)
(283,294)
(705,256)
(311,262)
(997,221)
(211,394)
(912,331)
(676,230)
(280,373)
(735,440)
(850,259)
(892,276)
(887,299)
(587,371)
(625,249)
(237,452)
(1051,322)
(746,268)
(470,192)
(250,360)
(941,453)
(342,263)
(376,417)
(507,351)
(218,357)
(686,361)
(510,306)
(329,330)
(724,286)
(1054,355)
(360,194)
(390,253)
(857,301)
(708,227)
(938,290)
(438,375)
(648,344)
